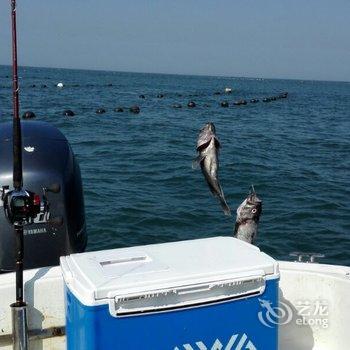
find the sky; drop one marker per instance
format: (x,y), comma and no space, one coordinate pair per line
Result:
(295,39)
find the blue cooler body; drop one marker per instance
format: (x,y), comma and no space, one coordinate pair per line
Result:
(216,293)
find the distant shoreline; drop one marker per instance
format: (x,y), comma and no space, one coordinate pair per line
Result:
(180,74)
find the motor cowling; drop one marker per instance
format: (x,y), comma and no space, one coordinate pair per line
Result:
(51,173)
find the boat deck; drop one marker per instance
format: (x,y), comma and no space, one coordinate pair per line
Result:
(314,304)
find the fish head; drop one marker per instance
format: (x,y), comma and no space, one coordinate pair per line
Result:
(206,134)
(250,208)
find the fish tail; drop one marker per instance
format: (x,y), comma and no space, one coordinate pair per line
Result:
(217,191)
(225,206)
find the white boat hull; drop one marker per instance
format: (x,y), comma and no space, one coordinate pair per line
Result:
(315,298)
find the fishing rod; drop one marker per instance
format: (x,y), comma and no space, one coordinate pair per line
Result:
(17,137)
(20,205)
(16,201)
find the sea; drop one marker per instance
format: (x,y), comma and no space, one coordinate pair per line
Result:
(139,185)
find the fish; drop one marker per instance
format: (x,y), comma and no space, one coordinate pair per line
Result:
(208,146)
(248,215)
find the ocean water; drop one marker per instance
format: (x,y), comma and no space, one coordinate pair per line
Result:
(138,182)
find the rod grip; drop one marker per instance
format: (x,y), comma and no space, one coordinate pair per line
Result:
(19,326)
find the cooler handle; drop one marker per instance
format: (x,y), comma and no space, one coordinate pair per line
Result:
(175,298)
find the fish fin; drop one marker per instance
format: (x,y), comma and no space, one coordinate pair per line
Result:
(203,145)
(197,161)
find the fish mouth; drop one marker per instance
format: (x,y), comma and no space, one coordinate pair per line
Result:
(210,126)
(253,199)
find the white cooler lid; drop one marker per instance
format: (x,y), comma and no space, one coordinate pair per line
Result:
(94,277)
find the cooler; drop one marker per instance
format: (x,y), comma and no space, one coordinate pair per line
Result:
(207,294)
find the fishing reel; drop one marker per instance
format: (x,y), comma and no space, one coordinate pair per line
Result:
(24,207)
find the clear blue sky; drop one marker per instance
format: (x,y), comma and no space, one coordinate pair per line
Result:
(301,39)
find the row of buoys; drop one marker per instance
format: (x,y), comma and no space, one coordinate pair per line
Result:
(256,100)
(191,104)
(58,85)
(274,98)
(133,109)
(69,113)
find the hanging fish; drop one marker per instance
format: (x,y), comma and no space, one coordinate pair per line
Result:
(248,215)
(208,148)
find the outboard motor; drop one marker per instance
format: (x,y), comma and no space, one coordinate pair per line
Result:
(51,171)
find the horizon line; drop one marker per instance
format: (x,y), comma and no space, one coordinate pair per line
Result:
(180,74)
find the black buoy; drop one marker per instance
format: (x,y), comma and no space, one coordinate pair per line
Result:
(142,96)
(254,100)
(160,96)
(28,115)
(217,93)
(135,109)
(191,104)
(100,111)
(266,99)
(177,105)
(224,104)
(33,85)
(44,86)
(119,109)
(68,113)
(283,95)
